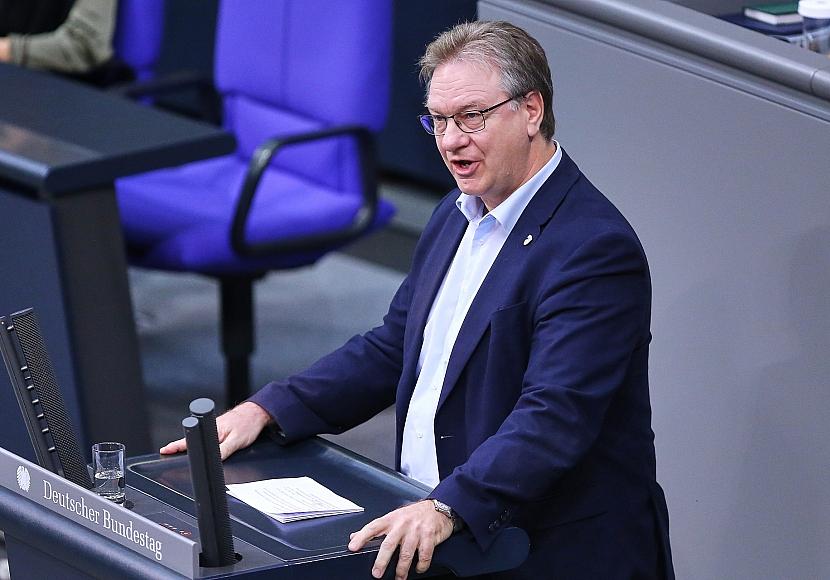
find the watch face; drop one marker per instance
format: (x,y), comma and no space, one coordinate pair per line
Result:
(444,509)
(448,511)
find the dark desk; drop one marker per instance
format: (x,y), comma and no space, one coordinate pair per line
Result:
(61,249)
(161,491)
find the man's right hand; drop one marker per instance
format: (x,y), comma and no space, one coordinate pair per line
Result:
(236,428)
(5,50)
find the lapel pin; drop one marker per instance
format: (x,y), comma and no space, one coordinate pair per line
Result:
(528,239)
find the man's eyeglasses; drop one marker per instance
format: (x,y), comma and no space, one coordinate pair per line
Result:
(467,121)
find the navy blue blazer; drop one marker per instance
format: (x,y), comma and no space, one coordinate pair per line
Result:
(544,420)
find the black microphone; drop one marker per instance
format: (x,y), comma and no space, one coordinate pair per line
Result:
(208,485)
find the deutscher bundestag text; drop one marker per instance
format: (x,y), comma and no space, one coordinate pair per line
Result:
(102,518)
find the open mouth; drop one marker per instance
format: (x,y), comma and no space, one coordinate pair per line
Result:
(464,166)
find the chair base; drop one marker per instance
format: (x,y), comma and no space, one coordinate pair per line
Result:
(237,320)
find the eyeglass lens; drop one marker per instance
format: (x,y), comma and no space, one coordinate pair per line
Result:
(467,121)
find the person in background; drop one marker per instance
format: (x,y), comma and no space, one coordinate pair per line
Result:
(515,351)
(72,38)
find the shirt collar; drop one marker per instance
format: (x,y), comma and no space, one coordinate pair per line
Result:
(507,213)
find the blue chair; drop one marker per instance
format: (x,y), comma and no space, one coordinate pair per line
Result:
(139,29)
(303,83)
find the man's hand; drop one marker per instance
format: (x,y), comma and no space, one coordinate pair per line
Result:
(415,528)
(5,49)
(237,429)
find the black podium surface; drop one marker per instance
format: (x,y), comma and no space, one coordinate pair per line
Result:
(317,548)
(160,490)
(62,145)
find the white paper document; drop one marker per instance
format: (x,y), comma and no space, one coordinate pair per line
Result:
(293,498)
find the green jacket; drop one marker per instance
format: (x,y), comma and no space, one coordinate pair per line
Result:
(81,43)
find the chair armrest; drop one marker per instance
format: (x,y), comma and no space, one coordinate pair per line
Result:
(164,85)
(174,83)
(259,162)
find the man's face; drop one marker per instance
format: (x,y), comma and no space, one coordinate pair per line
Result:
(492,163)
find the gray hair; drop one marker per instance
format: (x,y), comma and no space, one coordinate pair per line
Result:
(517,55)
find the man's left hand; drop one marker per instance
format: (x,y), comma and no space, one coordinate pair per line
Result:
(416,528)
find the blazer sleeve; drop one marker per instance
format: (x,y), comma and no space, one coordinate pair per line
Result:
(346,387)
(591,314)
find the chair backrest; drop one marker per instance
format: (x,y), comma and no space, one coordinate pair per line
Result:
(138,34)
(291,66)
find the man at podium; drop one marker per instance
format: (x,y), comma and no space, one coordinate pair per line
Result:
(515,351)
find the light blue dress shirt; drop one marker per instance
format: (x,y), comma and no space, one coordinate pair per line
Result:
(483,239)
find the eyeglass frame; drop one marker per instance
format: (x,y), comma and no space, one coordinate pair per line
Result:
(458,123)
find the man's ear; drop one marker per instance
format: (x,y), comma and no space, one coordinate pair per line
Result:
(535,107)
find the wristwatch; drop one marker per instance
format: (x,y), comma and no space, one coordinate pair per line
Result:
(441,507)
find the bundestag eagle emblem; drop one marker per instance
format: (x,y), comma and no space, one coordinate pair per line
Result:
(23,478)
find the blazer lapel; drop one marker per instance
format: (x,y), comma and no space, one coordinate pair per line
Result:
(435,266)
(506,268)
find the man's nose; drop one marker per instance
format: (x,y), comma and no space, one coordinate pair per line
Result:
(454,137)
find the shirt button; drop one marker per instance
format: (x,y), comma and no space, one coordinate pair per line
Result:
(419,435)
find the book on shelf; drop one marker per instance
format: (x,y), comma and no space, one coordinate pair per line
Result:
(775,14)
(762,27)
